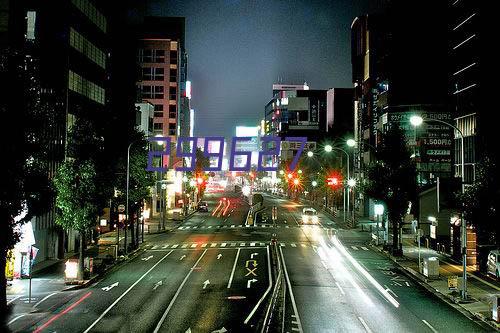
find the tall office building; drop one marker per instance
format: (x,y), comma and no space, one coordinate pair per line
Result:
(162,57)
(65,45)
(399,69)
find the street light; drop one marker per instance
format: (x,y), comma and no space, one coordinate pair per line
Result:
(351,182)
(417,120)
(310,154)
(351,142)
(314,183)
(328,148)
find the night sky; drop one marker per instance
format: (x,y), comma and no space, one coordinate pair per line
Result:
(238,49)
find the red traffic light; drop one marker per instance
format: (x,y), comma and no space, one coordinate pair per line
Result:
(334,180)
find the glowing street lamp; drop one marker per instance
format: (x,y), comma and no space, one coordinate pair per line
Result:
(351,142)
(290,176)
(310,154)
(314,183)
(351,182)
(296,182)
(328,148)
(300,171)
(416,120)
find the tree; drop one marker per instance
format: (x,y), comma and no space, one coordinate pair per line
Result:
(481,202)
(75,184)
(140,180)
(392,180)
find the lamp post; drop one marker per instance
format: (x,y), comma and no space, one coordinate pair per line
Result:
(348,174)
(417,121)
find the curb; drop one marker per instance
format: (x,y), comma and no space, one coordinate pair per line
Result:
(415,276)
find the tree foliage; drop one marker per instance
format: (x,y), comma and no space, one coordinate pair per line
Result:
(76,188)
(392,179)
(481,202)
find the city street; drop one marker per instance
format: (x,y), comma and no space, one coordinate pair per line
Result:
(213,273)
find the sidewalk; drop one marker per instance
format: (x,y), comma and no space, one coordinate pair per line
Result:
(480,291)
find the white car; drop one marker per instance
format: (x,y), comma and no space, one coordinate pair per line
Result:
(310,215)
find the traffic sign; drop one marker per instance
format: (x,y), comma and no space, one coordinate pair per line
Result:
(121,208)
(453,282)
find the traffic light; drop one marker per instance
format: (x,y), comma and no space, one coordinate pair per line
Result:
(334,180)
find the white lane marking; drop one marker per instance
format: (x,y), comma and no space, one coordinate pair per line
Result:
(267,290)
(233,244)
(154,247)
(338,245)
(354,248)
(12,300)
(188,227)
(164,246)
(324,265)
(162,319)
(13,320)
(180,228)
(126,292)
(184,246)
(213,245)
(175,246)
(252,244)
(194,245)
(234,267)
(340,288)
(209,227)
(365,325)
(233,226)
(364,248)
(430,326)
(390,291)
(204,245)
(294,305)
(293,245)
(242,244)
(223,244)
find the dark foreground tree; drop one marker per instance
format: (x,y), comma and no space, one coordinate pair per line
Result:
(392,180)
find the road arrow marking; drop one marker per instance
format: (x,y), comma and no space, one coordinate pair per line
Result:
(249,282)
(206,283)
(253,255)
(253,262)
(182,257)
(157,284)
(219,256)
(147,258)
(111,286)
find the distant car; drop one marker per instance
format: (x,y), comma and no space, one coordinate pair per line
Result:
(203,206)
(493,265)
(309,215)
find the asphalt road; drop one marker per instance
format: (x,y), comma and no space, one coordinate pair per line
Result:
(212,274)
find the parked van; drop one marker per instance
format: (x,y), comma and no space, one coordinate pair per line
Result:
(493,265)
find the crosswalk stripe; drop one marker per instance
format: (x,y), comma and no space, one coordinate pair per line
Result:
(364,248)
(242,244)
(223,244)
(154,247)
(164,246)
(180,228)
(194,245)
(213,245)
(287,226)
(184,246)
(232,226)
(233,244)
(293,245)
(209,227)
(188,227)
(252,244)
(282,244)
(354,247)
(175,246)
(204,245)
